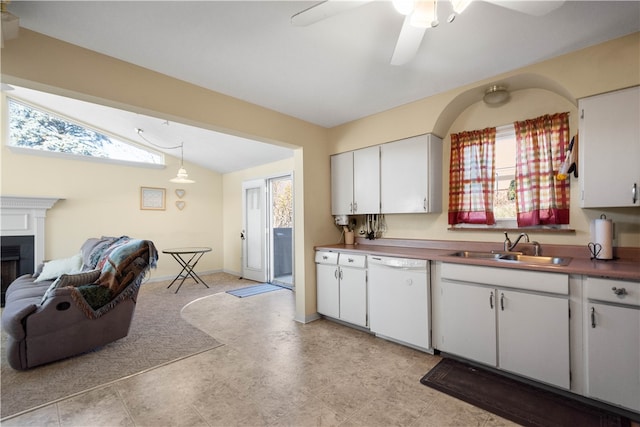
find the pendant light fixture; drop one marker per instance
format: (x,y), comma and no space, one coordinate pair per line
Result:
(181,177)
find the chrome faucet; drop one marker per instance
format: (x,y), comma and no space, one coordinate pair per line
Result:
(507,242)
(536,248)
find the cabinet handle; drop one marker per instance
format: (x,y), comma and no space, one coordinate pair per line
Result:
(350,260)
(634,193)
(351,207)
(355,207)
(424,204)
(335,273)
(502,302)
(340,274)
(619,292)
(593,317)
(491,300)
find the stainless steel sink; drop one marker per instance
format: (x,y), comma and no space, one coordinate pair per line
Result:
(481,255)
(515,257)
(530,259)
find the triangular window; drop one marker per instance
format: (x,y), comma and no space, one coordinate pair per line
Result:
(36,129)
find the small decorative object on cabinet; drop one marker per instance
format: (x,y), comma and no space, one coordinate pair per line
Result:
(609,149)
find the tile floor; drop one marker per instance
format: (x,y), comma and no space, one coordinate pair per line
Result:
(271,371)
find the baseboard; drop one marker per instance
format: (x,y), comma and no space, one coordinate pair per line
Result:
(308,319)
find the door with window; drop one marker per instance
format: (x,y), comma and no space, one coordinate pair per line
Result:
(254,266)
(267,235)
(280,230)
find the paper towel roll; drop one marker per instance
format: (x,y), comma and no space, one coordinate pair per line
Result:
(603,234)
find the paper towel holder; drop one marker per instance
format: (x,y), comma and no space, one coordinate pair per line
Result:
(601,247)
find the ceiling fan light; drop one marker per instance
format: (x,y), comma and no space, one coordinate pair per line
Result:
(460,5)
(496,95)
(424,14)
(404,7)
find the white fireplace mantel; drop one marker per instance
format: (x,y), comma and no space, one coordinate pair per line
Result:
(25,216)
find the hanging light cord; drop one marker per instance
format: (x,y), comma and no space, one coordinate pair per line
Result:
(182,173)
(140,134)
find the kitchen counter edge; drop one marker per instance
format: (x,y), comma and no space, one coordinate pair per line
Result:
(626,269)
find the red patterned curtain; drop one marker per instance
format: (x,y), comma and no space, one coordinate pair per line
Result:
(471,177)
(541,145)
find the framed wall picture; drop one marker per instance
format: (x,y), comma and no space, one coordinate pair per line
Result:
(152,198)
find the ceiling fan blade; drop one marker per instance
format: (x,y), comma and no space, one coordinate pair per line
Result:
(535,8)
(324,10)
(408,43)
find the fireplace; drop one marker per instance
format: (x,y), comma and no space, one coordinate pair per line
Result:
(22,239)
(16,257)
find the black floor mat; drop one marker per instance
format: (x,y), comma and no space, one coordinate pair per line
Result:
(514,400)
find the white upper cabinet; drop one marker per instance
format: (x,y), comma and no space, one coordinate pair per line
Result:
(609,149)
(411,175)
(366,181)
(342,183)
(355,182)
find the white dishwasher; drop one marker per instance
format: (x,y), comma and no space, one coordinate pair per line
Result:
(399,300)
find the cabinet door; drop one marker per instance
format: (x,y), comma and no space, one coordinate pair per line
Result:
(613,354)
(353,296)
(342,184)
(609,149)
(410,175)
(366,181)
(328,290)
(468,321)
(533,336)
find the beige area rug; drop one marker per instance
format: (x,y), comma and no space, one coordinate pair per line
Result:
(158,335)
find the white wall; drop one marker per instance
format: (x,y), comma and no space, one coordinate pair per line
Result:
(102,199)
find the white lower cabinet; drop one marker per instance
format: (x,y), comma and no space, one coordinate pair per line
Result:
(613,341)
(469,322)
(353,289)
(512,329)
(533,333)
(328,284)
(342,286)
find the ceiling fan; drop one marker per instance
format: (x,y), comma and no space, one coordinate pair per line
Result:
(419,16)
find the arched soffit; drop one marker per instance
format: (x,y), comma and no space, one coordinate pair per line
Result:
(512,84)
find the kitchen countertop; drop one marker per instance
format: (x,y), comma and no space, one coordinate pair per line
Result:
(627,267)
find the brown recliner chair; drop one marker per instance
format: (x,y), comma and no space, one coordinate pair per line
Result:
(53,319)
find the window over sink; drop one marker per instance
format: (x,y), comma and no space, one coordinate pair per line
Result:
(507,177)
